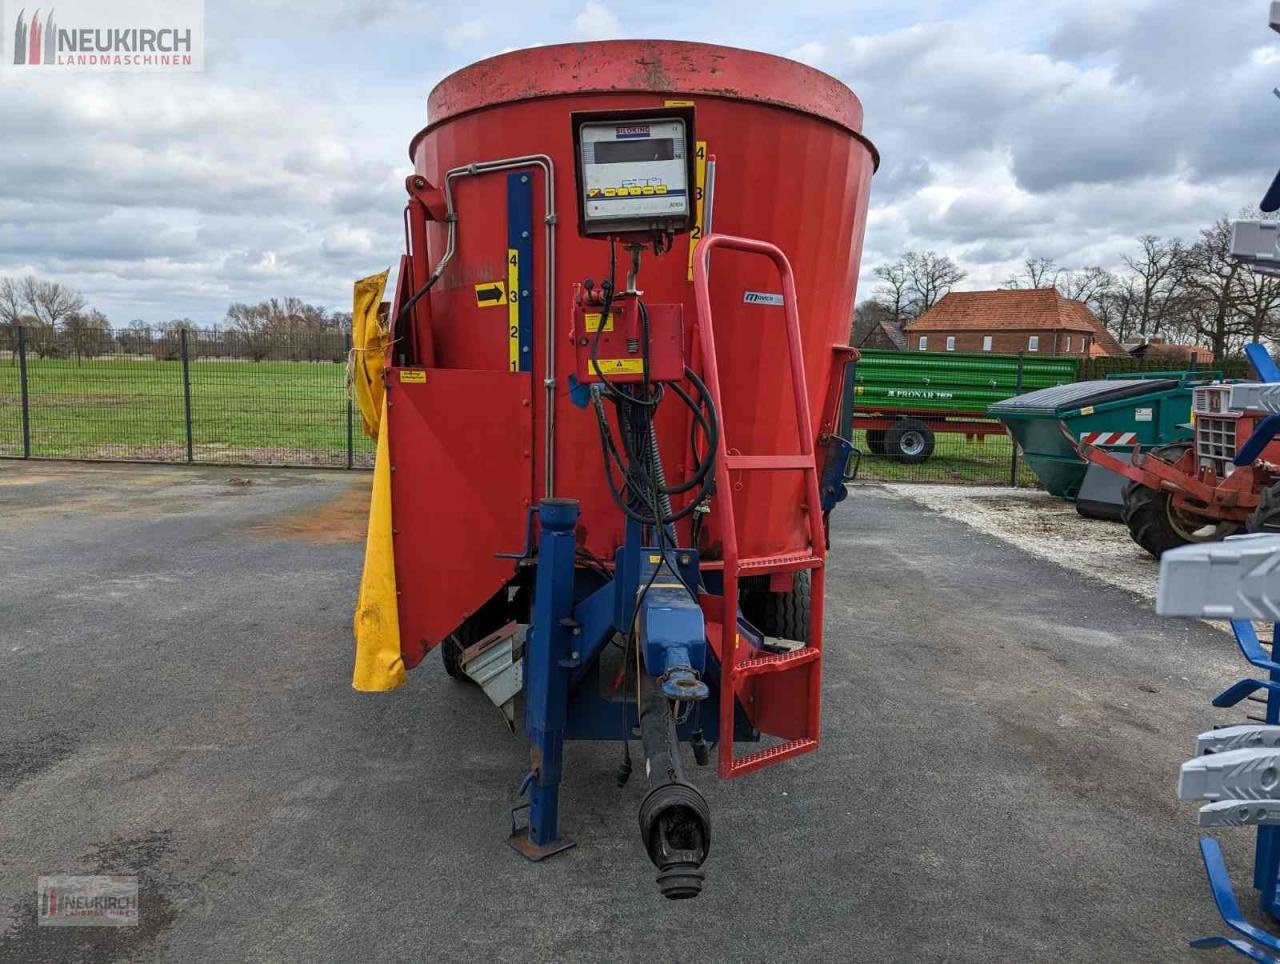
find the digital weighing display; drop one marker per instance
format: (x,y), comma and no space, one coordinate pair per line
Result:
(633,174)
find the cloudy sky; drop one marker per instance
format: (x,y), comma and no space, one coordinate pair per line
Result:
(1008,129)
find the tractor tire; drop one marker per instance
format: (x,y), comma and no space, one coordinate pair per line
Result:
(1266,517)
(1156,525)
(910,441)
(781,614)
(875,440)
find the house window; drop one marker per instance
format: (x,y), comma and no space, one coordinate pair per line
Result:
(986,343)
(923,344)
(951,342)
(1033,343)
(1068,343)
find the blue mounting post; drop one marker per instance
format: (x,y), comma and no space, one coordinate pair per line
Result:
(1262,362)
(548,660)
(1266,860)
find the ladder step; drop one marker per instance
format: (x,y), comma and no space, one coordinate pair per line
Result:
(740,463)
(776,662)
(782,562)
(772,754)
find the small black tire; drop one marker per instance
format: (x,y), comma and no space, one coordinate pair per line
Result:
(451,655)
(875,440)
(910,441)
(782,614)
(1266,517)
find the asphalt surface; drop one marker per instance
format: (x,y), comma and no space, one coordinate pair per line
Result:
(996,780)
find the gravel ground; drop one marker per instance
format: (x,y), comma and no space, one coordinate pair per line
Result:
(1047,527)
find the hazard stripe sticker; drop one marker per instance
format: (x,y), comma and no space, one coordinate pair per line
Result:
(1109,438)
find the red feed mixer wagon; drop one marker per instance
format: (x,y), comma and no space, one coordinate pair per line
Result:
(617,351)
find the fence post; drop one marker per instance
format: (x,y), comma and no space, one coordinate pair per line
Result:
(186,390)
(351,451)
(26,397)
(1013,459)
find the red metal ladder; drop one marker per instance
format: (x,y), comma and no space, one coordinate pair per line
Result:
(786,688)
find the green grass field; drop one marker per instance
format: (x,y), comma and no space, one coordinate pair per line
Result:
(293,413)
(267,412)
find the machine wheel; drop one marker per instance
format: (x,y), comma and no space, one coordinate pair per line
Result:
(781,614)
(1266,517)
(1157,525)
(489,618)
(875,440)
(910,441)
(451,655)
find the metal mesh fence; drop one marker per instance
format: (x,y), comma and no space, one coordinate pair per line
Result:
(279,398)
(181,395)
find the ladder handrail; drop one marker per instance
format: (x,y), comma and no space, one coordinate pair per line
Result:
(724,488)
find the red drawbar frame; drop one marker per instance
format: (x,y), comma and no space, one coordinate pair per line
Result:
(780,693)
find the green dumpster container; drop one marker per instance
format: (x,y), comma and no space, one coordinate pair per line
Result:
(1114,414)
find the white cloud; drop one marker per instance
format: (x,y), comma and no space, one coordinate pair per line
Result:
(280,169)
(458,35)
(812,53)
(596,22)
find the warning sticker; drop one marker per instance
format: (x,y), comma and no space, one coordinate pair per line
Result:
(621,366)
(593,323)
(1142,414)
(413,376)
(490,293)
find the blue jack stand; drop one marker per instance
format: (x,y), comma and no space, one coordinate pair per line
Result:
(549,659)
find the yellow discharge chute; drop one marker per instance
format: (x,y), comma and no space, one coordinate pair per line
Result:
(369,336)
(378,664)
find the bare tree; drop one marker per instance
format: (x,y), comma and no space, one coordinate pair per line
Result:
(1087,284)
(1259,306)
(49,301)
(929,277)
(166,345)
(1208,288)
(11,312)
(1156,269)
(892,292)
(288,328)
(88,333)
(1036,273)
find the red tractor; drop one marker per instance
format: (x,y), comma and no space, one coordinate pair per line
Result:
(1224,480)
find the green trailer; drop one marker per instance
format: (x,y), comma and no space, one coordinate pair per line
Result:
(902,399)
(1116,413)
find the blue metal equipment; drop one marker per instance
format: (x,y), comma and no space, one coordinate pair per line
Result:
(1238,767)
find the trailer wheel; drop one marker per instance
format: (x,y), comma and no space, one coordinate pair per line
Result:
(451,655)
(1157,525)
(875,440)
(480,624)
(1266,517)
(909,441)
(781,614)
